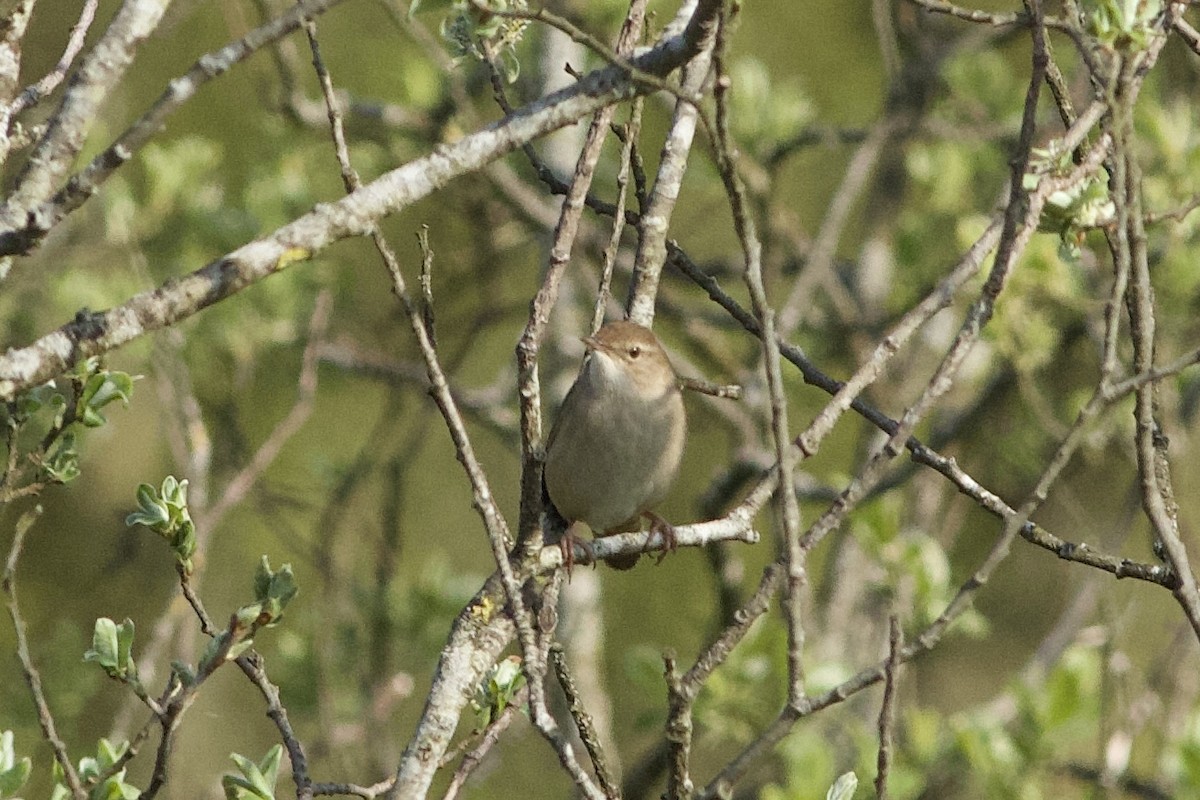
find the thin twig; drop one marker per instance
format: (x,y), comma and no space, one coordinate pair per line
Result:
(31,95)
(616,58)
(785,455)
(28,215)
(603,293)
(251,664)
(887,709)
(32,677)
(724,391)
(656,213)
(583,723)
(923,454)
(491,735)
(529,391)
(1151,443)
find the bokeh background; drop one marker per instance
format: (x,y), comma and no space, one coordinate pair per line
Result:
(367,502)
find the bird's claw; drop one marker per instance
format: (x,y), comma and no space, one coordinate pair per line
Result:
(566,546)
(664,529)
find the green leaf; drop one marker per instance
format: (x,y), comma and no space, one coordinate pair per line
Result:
(498,689)
(259,779)
(125,646)
(62,466)
(270,765)
(239,648)
(237,788)
(273,590)
(215,645)
(174,492)
(166,513)
(247,616)
(262,579)
(185,673)
(151,512)
(104,645)
(253,775)
(7,754)
(107,755)
(13,773)
(98,391)
(843,788)
(90,768)
(112,649)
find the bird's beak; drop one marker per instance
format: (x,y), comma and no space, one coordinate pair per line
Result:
(590,343)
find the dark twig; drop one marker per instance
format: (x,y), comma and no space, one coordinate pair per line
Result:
(887,710)
(32,677)
(1151,443)
(604,292)
(353,789)
(785,455)
(583,723)
(32,94)
(251,664)
(618,58)
(426,282)
(491,735)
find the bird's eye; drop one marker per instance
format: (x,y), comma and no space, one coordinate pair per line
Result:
(635,351)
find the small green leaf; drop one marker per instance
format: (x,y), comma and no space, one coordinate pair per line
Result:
(843,788)
(104,647)
(98,391)
(174,492)
(259,779)
(62,466)
(166,513)
(13,773)
(215,646)
(239,648)
(151,512)
(273,590)
(252,772)
(7,753)
(237,788)
(112,649)
(262,579)
(269,766)
(125,647)
(498,689)
(13,778)
(107,755)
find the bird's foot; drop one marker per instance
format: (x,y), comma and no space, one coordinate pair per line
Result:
(566,546)
(664,529)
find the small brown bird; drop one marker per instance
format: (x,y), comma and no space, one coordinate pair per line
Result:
(616,445)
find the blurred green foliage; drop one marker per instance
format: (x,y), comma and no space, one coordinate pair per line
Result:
(367,500)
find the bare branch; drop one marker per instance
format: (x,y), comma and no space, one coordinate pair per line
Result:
(354,215)
(98,74)
(32,677)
